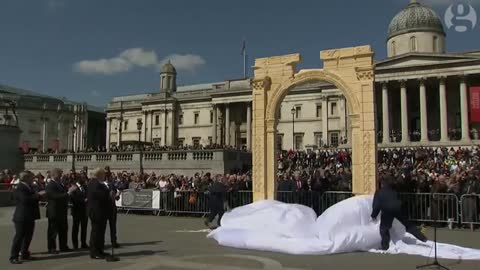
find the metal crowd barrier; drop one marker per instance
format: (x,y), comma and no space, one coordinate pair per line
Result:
(470,209)
(421,207)
(429,207)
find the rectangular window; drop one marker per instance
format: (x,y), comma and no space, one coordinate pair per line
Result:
(156,142)
(180,141)
(196,141)
(195,118)
(157,120)
(298,141)
(210,140)
(211,117)
(319,139)
(279,142)
(125,125)
(319,111)
(333,108)
(298,112)
(334,139)
(180,119)
(140,120)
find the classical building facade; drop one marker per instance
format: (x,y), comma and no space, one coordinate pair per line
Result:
(422,97)
(52,124)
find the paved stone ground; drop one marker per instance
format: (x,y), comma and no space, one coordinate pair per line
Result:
(154,243)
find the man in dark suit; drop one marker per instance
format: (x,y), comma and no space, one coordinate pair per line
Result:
(216,197)
(387,202)
(79,213)
(57,212)
(114,194)
(99,208)
(26,212)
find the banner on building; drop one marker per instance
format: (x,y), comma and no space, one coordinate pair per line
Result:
(475,104)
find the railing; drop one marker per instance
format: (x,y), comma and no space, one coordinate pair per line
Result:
(420,207)
(470,209)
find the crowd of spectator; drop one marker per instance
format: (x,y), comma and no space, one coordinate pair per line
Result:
(419,170)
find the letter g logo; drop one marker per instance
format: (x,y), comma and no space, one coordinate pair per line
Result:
(461,17)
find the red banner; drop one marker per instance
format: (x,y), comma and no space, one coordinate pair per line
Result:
(474,104)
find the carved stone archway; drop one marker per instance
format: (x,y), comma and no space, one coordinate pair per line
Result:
(351,71)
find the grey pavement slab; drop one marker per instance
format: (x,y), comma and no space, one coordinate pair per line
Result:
(154,243)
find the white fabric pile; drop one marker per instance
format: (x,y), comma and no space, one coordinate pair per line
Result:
(344,227)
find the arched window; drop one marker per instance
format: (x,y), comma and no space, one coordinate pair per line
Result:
(413,44)
(393,50)
(435,44)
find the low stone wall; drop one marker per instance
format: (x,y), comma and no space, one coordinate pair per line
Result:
(161,162)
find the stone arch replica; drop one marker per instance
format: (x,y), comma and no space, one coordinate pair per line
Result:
(349,69)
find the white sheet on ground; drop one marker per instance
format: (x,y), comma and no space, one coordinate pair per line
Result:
(344,227)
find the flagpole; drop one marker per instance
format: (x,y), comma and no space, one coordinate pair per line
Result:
(244,53)
(244,64)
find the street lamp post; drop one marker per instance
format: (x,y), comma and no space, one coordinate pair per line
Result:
(294,111)
(139,128)
(74,128)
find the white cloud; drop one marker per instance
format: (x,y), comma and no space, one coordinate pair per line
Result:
(140,57)
(185,62)
(102,66)
(137,57)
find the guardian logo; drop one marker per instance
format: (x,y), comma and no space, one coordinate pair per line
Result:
(462,17)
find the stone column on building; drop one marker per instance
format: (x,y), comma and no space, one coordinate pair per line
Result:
(343,124)
(324,120)
(164,127)
(144,126)
(464,109)
(44,134)
(249,126)
(404,111)
(385,114)
(107,139)
(219,125)
(227,124)
(172,129)
(59,132)
(80,135)
(119,131)
(442,89)
(423,112)
(150,131)
(214,124)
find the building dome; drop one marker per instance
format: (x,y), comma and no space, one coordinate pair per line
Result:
(168,68)
(415,18)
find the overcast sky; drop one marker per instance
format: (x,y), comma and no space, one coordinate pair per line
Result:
(93,50)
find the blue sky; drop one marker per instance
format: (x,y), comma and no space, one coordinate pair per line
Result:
(92,50)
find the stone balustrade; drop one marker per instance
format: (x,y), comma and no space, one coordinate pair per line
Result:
(161,162)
